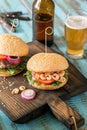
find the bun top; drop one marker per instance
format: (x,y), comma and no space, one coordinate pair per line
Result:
(47,62)
(12,45)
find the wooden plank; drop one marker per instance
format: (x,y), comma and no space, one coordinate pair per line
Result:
(13,105)
(65,113)
(20,110)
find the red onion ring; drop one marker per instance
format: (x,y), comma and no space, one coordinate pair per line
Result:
(28,94)
(13,60)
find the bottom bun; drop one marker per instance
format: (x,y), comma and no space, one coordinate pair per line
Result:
(7,74)
(49,87)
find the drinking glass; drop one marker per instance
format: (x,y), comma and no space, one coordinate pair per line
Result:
(75,33)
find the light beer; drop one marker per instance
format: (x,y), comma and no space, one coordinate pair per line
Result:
(76,35)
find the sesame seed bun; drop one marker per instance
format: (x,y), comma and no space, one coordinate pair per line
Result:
(12,45)
(47,62)
(7,74)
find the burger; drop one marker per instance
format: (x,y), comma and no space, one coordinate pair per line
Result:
(13,53)
(47,71)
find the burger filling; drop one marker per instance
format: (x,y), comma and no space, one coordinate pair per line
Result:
(12,64)
(54,78)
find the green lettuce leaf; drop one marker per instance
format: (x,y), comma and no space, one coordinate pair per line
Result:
(21,66)
(31,80)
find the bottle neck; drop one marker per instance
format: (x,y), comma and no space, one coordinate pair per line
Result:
(43,0)
(43,7)
(39,1)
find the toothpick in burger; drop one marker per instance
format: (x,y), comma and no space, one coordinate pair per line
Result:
(13,53)
(47,71)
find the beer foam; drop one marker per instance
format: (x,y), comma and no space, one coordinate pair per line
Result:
(76,22)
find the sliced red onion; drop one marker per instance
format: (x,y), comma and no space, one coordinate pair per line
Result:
(13,60)
(28,94)
(32,74)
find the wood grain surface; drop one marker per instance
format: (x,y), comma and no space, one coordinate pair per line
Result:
(24,31)
(65,113)
(19,110)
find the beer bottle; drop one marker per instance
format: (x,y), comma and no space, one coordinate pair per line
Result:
(43,18)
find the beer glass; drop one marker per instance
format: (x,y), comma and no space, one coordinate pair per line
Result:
(76,33)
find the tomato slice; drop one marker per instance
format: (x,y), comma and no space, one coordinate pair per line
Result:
(2,57)
(47,82)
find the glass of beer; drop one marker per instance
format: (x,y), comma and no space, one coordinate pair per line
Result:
(76,33)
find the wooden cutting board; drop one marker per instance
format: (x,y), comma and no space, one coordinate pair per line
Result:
(19,110)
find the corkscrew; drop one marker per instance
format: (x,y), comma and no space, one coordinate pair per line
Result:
(10,20)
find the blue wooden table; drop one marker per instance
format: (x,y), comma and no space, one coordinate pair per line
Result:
(24,31)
